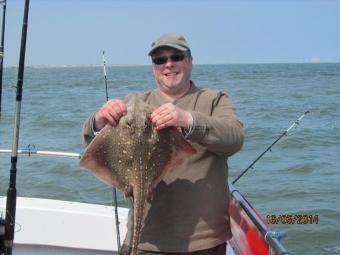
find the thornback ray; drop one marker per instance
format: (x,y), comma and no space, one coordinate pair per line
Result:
(133,157)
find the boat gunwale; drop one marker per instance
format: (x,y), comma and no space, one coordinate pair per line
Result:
(269,236)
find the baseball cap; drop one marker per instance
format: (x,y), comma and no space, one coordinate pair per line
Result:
(173,40)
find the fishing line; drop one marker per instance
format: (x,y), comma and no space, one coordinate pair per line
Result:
(285,133)
(115,202)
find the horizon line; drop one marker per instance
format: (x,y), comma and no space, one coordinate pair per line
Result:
(136,65)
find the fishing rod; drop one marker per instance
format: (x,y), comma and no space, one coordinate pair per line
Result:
(297,122)
(2,47)
(115,203)
(12,193)
(105,78)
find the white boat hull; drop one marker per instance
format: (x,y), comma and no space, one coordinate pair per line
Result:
(54,227)
(51,227)
(45,226)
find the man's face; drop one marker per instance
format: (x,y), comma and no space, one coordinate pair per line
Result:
(173,71)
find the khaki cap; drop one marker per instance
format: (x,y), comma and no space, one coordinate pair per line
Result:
(173,40)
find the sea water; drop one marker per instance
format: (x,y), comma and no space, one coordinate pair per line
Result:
(299,176)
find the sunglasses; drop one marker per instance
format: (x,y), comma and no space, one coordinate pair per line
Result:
(179,56)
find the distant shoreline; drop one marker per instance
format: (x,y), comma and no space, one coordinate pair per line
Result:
(148,65)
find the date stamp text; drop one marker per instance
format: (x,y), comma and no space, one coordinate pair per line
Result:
(293,219)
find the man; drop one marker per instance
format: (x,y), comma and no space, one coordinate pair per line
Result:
(189,211)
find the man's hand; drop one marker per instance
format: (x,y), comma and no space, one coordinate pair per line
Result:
(110,113)
(170,115)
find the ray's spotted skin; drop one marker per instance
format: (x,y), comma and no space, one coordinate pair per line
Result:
(134,156)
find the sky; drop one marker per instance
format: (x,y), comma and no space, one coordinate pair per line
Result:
(75,32)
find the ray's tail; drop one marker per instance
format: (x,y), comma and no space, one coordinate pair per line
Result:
(139,203)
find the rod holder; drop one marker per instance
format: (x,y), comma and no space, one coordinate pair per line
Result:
(276,235)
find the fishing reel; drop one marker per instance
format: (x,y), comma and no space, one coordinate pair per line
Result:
(2,235)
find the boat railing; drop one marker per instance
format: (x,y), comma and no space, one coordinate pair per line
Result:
(31,150)
(271,237)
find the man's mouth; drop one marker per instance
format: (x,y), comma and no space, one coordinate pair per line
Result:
(171,74)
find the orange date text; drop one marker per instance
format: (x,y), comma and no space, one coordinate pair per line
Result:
(293,219)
